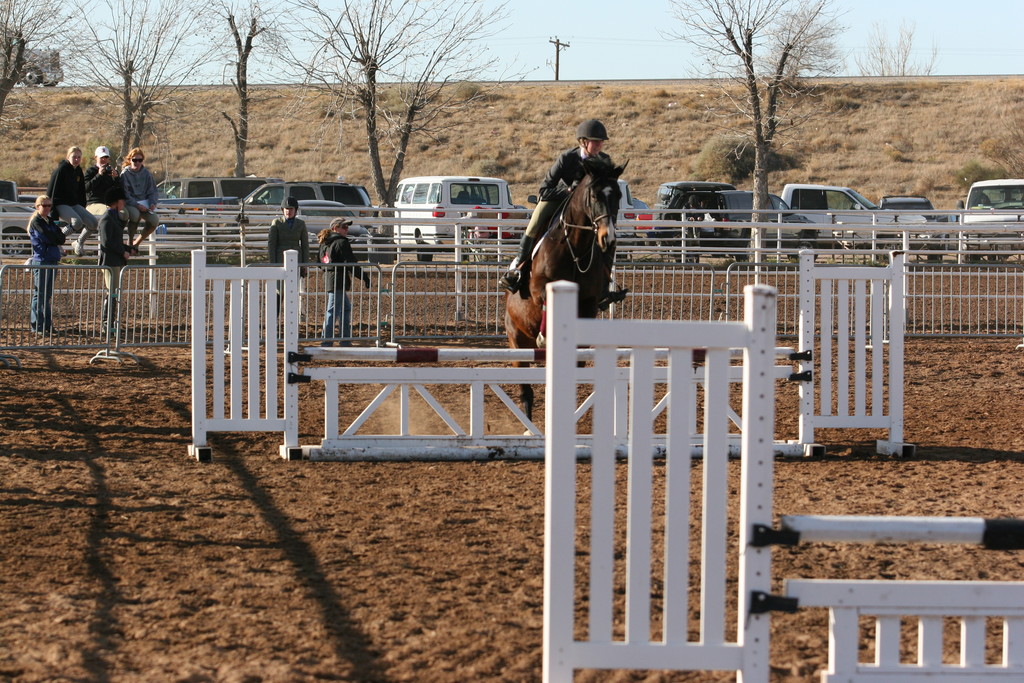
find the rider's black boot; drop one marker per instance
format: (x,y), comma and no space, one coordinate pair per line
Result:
(512,280)
(613,295)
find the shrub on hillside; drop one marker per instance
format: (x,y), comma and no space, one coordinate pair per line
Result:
(490,168)
(973,171)
(725,157)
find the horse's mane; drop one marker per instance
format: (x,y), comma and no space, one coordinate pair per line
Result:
(602,168)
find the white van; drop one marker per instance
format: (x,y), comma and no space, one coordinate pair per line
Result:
(421,203)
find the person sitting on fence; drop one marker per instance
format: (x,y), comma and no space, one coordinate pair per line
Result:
(67,190)
(562,177)
(335,248)
(99,178)
(140,197)
(114,252)
(46,237)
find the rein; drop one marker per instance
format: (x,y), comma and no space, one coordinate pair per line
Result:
(593,245)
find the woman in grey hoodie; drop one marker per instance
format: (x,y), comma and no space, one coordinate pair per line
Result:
(140,190)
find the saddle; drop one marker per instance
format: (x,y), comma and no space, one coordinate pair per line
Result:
(527,268)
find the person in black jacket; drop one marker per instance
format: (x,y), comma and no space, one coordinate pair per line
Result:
(67,189)
(114,252)
(334,249)
(562,177)
(99,178)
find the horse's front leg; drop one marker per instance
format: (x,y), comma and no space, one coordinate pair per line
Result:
(526,401)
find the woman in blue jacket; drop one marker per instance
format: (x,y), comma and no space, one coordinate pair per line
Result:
(47,238)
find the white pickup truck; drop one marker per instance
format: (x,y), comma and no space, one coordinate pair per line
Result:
(998,205)
(843,206)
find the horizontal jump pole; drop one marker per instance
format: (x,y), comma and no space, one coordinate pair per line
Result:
(993,534)
(385,449)
(475,355)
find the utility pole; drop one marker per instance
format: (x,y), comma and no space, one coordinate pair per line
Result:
(559,46)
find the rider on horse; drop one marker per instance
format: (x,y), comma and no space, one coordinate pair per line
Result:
(562,177)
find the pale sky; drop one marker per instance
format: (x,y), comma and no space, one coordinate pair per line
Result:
(612,39)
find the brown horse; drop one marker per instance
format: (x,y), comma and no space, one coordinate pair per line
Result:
(579,247)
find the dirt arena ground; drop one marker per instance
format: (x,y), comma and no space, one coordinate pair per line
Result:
(123,560)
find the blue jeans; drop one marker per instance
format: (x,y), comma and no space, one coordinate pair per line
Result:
(42,293)
(331,315)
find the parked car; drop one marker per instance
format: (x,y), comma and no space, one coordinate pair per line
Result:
(272,194)
(846,206)
(210,187)
(9,191)
(677,195)
(374,243)
(433,197)
(992,202)
(14,240)
(795,231)
(318,214)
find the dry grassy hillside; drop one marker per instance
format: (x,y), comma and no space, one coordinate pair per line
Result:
(881,139)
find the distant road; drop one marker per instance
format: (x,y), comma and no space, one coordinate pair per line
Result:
(829,79)
(689,81)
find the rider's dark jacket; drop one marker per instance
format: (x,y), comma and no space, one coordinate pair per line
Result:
(564,174)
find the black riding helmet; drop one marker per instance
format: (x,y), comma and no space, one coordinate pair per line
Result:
(591,129)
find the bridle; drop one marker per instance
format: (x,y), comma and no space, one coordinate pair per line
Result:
(565,225)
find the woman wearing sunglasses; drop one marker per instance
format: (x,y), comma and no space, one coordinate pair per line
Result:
(46,239)
(140,190)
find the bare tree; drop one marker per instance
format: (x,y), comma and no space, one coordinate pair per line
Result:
(141,54)
(398,65)
(759,50)
(23,23)
(882,58)
(245,24)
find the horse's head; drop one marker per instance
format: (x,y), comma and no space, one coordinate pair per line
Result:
(601,197)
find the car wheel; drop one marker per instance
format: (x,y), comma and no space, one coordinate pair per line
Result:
(14,242)
(424,256)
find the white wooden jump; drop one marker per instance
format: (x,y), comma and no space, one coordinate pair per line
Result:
(853,311)
(930,603)
(236,383)
(581,550)
(833,389)
(603,646)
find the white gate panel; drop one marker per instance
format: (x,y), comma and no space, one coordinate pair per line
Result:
(745,651)
(855,379)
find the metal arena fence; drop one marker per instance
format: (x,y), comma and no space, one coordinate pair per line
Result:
(413,302)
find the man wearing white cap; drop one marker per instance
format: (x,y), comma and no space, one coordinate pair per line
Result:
(99,178)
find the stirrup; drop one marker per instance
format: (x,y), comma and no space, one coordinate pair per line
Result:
(510,281)
(612,296)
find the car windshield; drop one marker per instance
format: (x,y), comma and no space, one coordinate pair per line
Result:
(171,190)
(996,197)
(864,200)
(269,196)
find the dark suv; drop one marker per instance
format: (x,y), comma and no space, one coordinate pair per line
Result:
(722,202)
(678,195)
